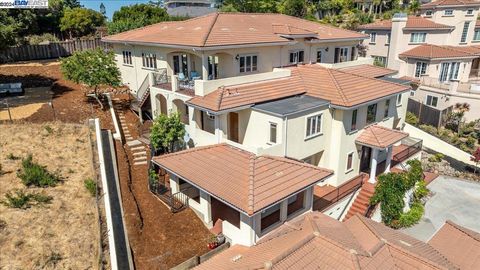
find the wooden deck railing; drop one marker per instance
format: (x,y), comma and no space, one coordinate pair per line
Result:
(411,150)
(322,203)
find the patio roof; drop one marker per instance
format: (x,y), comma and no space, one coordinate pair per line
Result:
(245,181)
(431,51)
(292,105)
(380,137)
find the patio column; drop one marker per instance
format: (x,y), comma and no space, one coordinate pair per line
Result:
(217,128)
(205,204)
(284,210)
(388,162)
(373,166)
(204,67)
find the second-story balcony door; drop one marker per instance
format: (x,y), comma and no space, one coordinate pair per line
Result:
(233,127)
(180,64)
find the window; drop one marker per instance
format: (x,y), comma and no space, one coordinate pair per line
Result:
(428,13)
(149,60)
(127,57)
(273,133)
(432,101)
(420,69)
(349,161)
(469,12)
(412,93)
(449,71)
(341,55)
(319,56)
(418,37)
(387,108)
(314,125)
(373,37)
(353,125)
(296,57)
(379,61)
(371,113)
(180,64)
(389,36)
(476,35)
(448,12)
(399,99)
(463,39)
(248,63)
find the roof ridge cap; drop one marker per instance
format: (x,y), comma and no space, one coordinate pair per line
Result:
(220,96)
(374,79)
(204,42)
(419,257)
(251,183)
(337,85)
(462,229)
(304,164)
(375,136)
(286,252)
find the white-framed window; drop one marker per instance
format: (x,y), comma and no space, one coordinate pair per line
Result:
(319,56)
(380,61)
(449,71)
(389,36)
(387,108)
(296,57)
(149,60)
(248,63)
(428,13)
(469,12)
(314,125)
(448,12)
(432,101)
(353,123)
(349,166)
(420,69)
(463,39)
(399,99)
(476,35)
(373,37)
(371,113)
(273,133)
(127,57)
(418,37)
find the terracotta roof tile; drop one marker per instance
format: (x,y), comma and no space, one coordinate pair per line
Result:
(380,137)
(244,180)
(459,244)
(222,29)
(413,22)
(430,51)
(449,3)
(369,71)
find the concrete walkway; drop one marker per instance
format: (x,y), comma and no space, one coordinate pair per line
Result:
(454,199)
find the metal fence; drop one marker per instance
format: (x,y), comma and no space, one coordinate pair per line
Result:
(428,115)
(327,200)
(49,51)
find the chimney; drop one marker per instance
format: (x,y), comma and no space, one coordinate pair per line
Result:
(398,44)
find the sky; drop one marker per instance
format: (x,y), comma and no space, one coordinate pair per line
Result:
(110,5)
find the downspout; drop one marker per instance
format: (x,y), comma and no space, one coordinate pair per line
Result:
(285,121)
(136,71)
(280,57)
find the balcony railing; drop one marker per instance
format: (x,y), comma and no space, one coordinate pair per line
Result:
(334,196)
(408,147)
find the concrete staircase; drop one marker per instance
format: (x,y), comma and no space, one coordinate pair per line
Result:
(361,202)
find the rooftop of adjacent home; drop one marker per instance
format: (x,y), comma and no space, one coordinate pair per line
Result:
(244,180)
(431,51)
(315,240)
(233,29)
(343,88)
(450,3)
(413,23)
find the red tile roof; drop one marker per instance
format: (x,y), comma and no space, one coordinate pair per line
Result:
(369,71)
(413,22)
(222,29)
(316,241)
(380,137)
(449,3)
(430,51)
(459,244)
(340,87)
(248,182)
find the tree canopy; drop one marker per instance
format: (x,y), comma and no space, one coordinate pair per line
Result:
(166,132)
(81,21)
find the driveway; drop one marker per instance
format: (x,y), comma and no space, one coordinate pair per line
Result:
(454,199)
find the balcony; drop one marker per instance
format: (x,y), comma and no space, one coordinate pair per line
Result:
(470,87)
(359,61)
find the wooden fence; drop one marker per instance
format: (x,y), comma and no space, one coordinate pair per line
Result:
(49,51)
(428,115)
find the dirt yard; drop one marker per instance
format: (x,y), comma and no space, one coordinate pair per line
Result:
(64,233)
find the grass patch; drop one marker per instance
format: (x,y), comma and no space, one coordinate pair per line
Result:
(34,174)
(22,200)
(91,186)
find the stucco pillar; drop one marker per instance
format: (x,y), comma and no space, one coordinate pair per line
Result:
(175,84)
(174,185)
(204,67)
(388,162)
(283,210)
(308,199)
(373,165)
(206,206)
(217,128)
(151,78)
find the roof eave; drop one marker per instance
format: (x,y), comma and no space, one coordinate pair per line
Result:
(336,39)
(342,107)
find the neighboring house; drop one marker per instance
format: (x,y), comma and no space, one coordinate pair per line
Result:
(437,49)
(265,86)
(190,8)
(315,241)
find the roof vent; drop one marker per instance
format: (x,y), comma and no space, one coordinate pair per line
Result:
(225,29)
(236,258)
(279,173)
(197,28)
(405,243)
(180,28)
(252,29)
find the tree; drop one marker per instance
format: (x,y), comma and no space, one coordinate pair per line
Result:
(476,158)
(92,68)
(72,3)
(81,21)
(135,16)
(297,8)
(103,11)
(167,132)
(259,6)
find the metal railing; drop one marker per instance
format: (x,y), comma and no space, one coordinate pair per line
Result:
(340,192)
(413,146)
(161,76)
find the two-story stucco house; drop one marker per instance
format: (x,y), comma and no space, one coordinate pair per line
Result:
(438,49)
(281,115)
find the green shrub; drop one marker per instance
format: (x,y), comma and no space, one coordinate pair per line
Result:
(33,174)
(412,216)
(421,191)
(411,118)
(471,142)
(429,129)
(41,198)
(436,158)
(18,199)
(91,186)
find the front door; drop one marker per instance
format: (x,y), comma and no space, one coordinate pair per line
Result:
(233,126)
(365,160)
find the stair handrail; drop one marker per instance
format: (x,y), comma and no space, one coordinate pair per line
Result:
(143,87)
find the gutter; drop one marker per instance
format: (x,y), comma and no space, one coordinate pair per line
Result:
(336,39)
(368,102)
